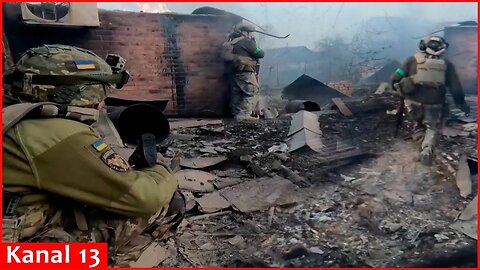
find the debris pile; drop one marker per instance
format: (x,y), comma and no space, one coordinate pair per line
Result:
(262,194)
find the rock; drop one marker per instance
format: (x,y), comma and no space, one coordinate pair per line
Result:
(236,241)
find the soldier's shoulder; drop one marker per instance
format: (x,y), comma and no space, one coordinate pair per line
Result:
(40,135)
(53,128)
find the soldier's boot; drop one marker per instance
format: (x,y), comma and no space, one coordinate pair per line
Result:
(426,156)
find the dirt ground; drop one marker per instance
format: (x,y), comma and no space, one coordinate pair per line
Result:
(384,210)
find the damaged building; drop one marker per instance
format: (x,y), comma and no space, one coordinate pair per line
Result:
(172,57)
(327,183)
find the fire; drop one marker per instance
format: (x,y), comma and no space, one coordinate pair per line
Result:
(153,7)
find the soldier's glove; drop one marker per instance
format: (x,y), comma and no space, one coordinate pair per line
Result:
(465,108)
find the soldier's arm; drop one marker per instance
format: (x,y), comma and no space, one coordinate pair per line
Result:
(252,49)
(402,71)
(79,169)
(454,86)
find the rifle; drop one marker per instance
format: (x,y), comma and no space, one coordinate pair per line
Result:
(145,154)
(400,110)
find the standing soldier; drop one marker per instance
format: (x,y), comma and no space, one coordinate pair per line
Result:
(422,81)
(70,184)
(242,55)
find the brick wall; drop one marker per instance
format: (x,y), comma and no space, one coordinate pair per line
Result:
(169,56)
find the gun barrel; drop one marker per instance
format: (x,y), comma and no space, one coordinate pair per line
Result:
(133,121)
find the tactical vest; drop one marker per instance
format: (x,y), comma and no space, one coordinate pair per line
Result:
(227,49)
(430,71)
(27,222)
(240,63)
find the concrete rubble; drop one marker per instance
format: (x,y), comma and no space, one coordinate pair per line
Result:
(361,199)
(319,180)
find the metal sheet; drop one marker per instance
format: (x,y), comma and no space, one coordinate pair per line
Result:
(304,120)
(304,138)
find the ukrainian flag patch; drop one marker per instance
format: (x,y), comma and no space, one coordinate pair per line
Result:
(99,145)
(85,64)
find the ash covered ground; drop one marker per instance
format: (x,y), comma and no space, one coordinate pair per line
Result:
(379,210)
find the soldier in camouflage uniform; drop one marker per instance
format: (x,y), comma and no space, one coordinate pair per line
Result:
(73,185)
(423,80)
(243,61)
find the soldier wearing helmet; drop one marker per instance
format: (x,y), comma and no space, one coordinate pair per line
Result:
(423,80)
(70,184)
(242,55)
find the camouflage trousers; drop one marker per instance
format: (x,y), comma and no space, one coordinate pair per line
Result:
(244,95)
(427,119)
(127,238)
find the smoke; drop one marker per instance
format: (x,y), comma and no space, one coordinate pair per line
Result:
(153,7)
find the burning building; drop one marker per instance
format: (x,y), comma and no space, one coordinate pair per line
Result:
(172,57)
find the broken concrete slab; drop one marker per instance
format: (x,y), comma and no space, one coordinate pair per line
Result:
(195,180)
(236,240)
(212,202)
(450,132)
(226,182)
(463,177)
(155,254)
(467,222)
(188,123)
(261,194)
(304,120)
(201,162)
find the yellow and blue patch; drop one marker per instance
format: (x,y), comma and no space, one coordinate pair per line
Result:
(99,145)
(85,64)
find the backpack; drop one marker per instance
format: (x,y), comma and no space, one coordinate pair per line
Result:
(227,49)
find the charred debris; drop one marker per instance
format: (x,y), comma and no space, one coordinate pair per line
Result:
(329,187)
(320,180)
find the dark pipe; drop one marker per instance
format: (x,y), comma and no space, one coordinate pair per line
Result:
(294,106)
(270,35)
(136,120)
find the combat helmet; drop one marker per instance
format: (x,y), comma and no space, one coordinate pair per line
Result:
(244,27)
(433,45)
(65,75)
